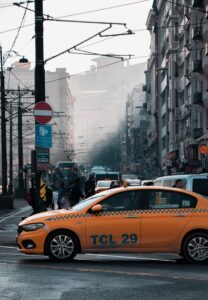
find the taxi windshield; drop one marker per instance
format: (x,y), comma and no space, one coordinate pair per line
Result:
(84,203)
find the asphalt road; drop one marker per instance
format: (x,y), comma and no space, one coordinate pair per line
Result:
(152,276)
(100,277)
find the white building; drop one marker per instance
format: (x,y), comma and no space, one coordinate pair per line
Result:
(58,95)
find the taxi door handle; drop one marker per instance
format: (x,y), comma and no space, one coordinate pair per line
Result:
(181,215)
(131,217)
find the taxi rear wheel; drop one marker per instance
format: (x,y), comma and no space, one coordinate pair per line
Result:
(195,247)
(61,246)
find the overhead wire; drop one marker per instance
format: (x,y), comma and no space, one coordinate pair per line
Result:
(18,31)
(144,56)
(106,8)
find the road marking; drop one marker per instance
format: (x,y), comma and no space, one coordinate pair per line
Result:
(8,247)
(108,271)
(131,257)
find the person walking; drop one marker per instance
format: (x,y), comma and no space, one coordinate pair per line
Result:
(90,186)
(63,197)
(32,198)
(76,192)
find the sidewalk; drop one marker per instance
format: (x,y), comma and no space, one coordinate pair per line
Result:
(9,220)
(18,204)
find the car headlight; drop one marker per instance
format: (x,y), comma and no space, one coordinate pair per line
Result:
(32,227)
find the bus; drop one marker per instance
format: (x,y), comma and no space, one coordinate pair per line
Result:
(69,169)
(107,176)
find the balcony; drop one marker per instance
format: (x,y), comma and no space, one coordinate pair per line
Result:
(178,6)
(172,47)
(197,33)
(177,113)
(197,132)
(164,84)
(197,4)
(197,66)
(170,17)
(197,98)
(180,84)
(180,58)
(205,31)
(205,64)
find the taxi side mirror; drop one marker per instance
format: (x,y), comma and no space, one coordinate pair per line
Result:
(96,208)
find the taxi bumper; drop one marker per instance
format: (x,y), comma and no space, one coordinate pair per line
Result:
(31,242)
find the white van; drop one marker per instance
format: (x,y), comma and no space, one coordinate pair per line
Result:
(197,183)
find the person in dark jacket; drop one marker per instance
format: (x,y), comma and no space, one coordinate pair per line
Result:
(90,186)
(75,192)
(179,183)
(49,197)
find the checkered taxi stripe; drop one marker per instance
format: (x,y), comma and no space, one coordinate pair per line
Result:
(130,212)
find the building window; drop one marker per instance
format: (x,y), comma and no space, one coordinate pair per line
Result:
(163,120)
(164,143)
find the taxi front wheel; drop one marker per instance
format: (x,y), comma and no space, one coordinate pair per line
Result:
(61,246)
(195,247)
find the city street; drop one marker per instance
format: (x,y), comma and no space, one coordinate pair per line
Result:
(100,276)
(89,276)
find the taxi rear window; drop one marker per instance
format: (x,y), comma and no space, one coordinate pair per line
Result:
(200,186)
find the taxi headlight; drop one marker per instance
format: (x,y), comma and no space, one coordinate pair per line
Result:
(32,227)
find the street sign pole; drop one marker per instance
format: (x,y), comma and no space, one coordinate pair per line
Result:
(39,70)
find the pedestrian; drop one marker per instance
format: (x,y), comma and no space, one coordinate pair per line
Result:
(58,178)
(63,198)
(49,198)
(114,184)
(90,186)
(75,192)
(32,198)
(54,197)
(179,183)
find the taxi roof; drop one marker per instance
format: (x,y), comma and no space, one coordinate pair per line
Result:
(145,187)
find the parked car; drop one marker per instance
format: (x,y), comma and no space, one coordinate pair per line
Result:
(133,182)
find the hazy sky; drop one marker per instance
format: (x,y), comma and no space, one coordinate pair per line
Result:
(59,36)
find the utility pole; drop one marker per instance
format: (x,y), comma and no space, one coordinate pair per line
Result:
(39,68)
(3,130)
(20,148)
(10,152)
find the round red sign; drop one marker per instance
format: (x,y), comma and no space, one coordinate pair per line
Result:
(42,112)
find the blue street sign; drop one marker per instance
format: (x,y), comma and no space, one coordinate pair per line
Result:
(43,136)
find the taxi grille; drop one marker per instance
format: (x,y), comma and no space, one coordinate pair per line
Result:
(19,230)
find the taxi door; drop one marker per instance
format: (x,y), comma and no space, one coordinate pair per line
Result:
(117,227)
(164,220)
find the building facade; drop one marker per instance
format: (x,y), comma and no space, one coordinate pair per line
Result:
(100,103)
(177,85)
(58,95)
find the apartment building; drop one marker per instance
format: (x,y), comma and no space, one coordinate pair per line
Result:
(177,86)
(58,95)
(133,133)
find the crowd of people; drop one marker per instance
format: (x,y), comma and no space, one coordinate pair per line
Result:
(60,192)
(63,193)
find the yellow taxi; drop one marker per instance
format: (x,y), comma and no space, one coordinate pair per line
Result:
(127,220)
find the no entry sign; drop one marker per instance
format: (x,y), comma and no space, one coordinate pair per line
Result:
(42,112)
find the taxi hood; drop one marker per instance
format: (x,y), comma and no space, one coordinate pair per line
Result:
(44,215)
